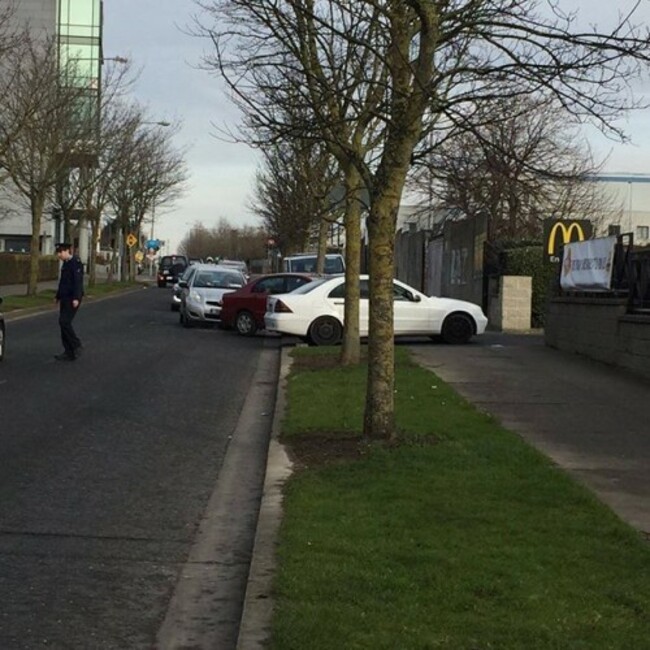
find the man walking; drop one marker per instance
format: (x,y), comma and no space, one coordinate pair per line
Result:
(68,295)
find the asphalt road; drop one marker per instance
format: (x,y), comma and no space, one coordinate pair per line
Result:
(121,470)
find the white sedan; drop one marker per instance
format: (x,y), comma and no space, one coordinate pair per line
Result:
(315,312)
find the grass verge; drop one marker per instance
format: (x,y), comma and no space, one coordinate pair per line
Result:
(46,298)
(461,537)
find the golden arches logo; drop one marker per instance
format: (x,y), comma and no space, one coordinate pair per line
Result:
(567,231)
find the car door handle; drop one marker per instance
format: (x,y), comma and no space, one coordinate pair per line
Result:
(339,302)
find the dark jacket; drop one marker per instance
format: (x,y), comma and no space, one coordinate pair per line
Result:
(71,282)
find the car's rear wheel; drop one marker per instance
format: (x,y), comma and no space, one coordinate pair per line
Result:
(245,323)
(2,342)
(457,329)
(325,330)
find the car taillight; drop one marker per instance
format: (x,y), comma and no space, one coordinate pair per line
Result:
(281,308)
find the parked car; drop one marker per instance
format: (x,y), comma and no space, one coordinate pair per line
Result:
(202,292)
(170,267)
(3,335)
(306,263)
(244,309)
(176,288)
(315,312)
(237,264)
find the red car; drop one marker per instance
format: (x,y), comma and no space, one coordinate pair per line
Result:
(244,308)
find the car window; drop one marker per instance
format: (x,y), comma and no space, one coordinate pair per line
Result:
(310,286)
(334,265)
(401,293)
(270,285)
(304,265)
(208,279)
(294,282)
(339,292)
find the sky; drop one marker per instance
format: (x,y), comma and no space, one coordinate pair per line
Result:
(152,35)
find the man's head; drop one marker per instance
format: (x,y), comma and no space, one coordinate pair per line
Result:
(64,251)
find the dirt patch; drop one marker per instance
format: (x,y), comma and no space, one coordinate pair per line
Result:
(323,449)
(318,449)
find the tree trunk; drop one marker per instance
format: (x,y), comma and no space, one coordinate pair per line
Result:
(37,203)
(323,227)
(379,416)
(351,350)
(92,257)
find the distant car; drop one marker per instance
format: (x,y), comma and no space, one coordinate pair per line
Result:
(244,309)
(306,263)
(237,264)
(3,335)
(170,267)
(176,288)
(202,292)
(315,313)
(195,260)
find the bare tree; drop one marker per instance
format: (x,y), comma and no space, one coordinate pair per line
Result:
(420,65)
(522,161)
(148,173)
(52,137)
(225,241)
(292,193)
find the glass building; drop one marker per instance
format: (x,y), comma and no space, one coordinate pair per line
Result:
(79,32)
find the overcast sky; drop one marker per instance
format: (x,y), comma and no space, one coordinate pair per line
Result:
(150,34)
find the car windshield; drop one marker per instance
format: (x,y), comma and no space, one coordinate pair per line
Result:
(168,261)
(333,265)
(217,280)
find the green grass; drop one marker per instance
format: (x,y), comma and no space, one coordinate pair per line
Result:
(462,538)
(46,298)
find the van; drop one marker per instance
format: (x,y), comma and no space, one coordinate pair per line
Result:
(170,267)
(306,263)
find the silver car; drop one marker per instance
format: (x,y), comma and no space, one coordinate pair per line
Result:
(176,289)
(202,292)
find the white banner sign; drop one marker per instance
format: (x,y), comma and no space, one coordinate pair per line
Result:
(587,265)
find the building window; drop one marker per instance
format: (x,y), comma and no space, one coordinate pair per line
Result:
(642,232)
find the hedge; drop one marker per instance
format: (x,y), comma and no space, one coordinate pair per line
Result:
(14,268)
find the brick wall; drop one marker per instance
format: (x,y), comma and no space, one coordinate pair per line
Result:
(510,300)
(600,329)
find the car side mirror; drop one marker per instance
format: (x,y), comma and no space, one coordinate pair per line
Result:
(416,298)
(182,284)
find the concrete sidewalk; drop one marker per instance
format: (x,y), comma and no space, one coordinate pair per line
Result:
(588,417)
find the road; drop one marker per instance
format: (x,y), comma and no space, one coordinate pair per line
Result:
(126,481)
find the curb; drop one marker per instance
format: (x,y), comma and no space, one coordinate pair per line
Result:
(255,626)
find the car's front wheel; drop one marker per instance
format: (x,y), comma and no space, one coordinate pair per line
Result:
(325,330)
(245,323)
(457,329)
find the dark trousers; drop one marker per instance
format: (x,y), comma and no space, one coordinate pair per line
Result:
(69,338)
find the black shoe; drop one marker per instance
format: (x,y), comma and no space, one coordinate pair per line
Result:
(64,356)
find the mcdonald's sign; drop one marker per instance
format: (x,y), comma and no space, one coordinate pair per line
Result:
(558,232)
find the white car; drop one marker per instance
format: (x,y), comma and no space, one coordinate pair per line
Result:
(315,312)
(203,290)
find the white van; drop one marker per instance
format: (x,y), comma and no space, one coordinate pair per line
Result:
(306,263)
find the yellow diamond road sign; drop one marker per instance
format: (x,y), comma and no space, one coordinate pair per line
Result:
(131,240)
(139,256)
